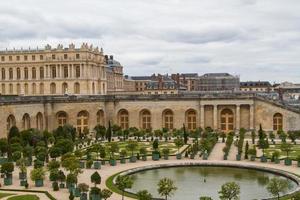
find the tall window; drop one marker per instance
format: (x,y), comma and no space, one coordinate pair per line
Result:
(77,71)
(18,88)
(3,88)
(61,118)
(3,73)
(227,120)
(41,72)
(26,122)
(11,121)
(11,88)
(52,88)
(168,119)
(66,72)
(18,73)
(53,71)
(26,88)
(146,120)
(11,73)
(76,88)
(33,88)
(82,121)
(100,117)
(39,121)
(33,73)
(41,88)
(64,88)
(277,122)
(26,73)
(124,119)
(191,120)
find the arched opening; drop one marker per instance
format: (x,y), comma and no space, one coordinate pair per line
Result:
(39,121)
(3,88)
(61,118)
(227,120)
(26,89)
(277,122)
(100,117)
(76,88)
(33,88)
(26,122)
(145,119)
(168,119)
(18,88)
(82,121)
(52,88)
(64,88)
(191,120)
(33,73)
(41,88)
(11,121)
(123,119)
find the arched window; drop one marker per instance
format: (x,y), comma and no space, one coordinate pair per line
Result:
(3,89)
(33,71)
(3,73)
(277,122)
(25,73)
(82,121)
(41,88)
(123,119)
(41,72)
(100,117)
(11,73)
(77,71)
(33,88)
(64,88)
(39,121)
(26,122)
(18,73)
(18,88)
(145,118)
(76,88)
(11,121)
(26,88)
(52,88)
(168,119)
(61,118)
(227,120)
(191,120)
(11,88)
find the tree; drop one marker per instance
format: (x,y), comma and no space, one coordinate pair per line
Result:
(230,191)
(3,146)
(106,194)
(263,144)
(113,148)
(109,132)
(65,145)
(7,168)
(277,186)
(155,145)
(144,195)
(179,143)
(253,135)
(132,146)
(71,163)
(100,131)
(185,135)
(54,152)
(287,148)
(246,150)
(96,178)
(83,187)
(37,174)
(123,183)
(166,188)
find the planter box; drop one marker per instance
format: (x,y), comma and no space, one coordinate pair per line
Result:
(263,159)
(133,159)
(277,161)
(77,192)
(23,182)
(3,160)
(97,165)
(155,156)
(61,185)
(287,162)
(123,161)
(22,176)
(83,196)
(238,157)
(8,181)
(95,197)
(82,164)
(112,162)
(178,156)
(205,156)
(39,183)
(144,158)
(70,187)
(252,158)
(166,157)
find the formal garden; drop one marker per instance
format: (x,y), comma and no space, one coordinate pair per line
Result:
(62,155)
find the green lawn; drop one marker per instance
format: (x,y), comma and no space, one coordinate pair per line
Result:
(292,154)
(24,197)
(2,195)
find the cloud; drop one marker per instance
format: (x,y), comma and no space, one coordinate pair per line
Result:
(257,40)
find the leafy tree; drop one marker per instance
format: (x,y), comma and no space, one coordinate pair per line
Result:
(3,146)
(132,146)
(277,186)
(179,143)
(246,150)
(7,168)
(100,131)
(123,183)
(53,165)
(37,174)
(106,194)
(143,151)
(109,132)
(185,135)
(83,187)
(71,163)
(61,176)
(55,152)
(287,148)
(166,188)
(65,145)
(263,144)
(113,148)
(13,132)
(96,178)
(71,178)
(144,195)
(230,191)
(155,145)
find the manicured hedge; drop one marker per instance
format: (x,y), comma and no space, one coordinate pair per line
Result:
(31,191)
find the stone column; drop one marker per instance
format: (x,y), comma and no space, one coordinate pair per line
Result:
(202,114)
(238,117)
(70,71)
(215,117)
(252,125)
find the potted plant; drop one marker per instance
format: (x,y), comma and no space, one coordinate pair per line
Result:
(7,169)
(102,155)
(252,152)
(83,189)
(166,152)
(131,146)
(287,148)
(143,152)
(275,156)
(95,193)
(113,148)
(123,155)
(155,153)
(96,178)
(23,170)
(71,181)
(61,178)
(38,175)
(55,186)
(179,143)
(79,155)
(89,163)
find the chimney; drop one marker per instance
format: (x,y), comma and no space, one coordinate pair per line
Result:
(111,57)
(106,59)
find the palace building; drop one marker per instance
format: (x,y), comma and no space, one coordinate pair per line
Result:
(45,89)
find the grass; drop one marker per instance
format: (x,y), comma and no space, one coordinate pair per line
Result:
(2,195)
(292,154)
(24,197)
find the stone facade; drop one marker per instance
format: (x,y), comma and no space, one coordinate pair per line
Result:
(223,112)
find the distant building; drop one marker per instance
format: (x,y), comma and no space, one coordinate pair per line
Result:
(289,90)
(256,86)
(218,82)
(188,80)
(114,75)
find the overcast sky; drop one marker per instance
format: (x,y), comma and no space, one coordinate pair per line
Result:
(256,39)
